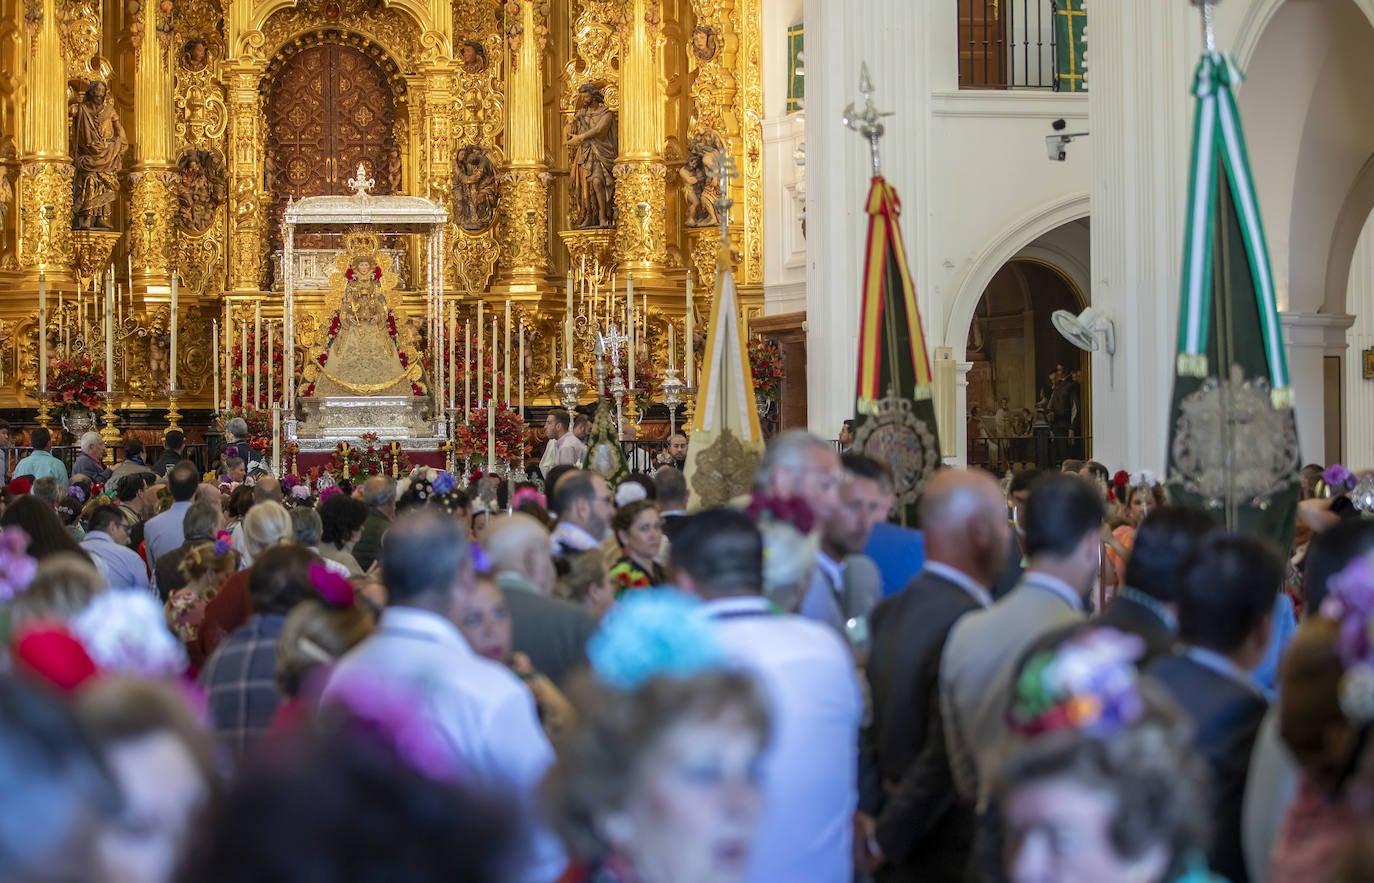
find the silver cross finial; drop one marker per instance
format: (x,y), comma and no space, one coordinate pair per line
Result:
(867,122)
(1209,37)
(721,166)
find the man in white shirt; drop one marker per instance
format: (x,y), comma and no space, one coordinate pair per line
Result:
(477,708)
(572,447)
(809,771)
(556,425)
(1063,524)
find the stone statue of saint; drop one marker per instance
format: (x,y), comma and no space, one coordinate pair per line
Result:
(696,179)
(474,188)
(364,359)
(592,136)
(98,145)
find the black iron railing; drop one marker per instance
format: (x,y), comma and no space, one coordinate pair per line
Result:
(1007,44)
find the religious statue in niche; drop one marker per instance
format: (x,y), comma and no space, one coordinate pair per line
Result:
(202,187)
(474,188)
(194,55)
(98,146)
(698,186)
(592,136)
(704,42)
(473,56)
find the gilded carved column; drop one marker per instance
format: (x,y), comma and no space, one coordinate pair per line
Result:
(153,182)
(45,176)
(524,195)
(640,176)
(248,196)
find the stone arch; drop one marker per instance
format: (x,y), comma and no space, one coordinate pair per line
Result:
(1257,19)
(1014,239)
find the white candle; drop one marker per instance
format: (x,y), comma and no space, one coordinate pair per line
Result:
(228,355)
(276,439)
(630,331)
(172,320)
(491,427)
(522,367)
(610,304)
(672,344)
(43,330)
(568,320)
(214,357)
(270,362)
(506,397)
(467,373)
(477,365)
(453,355)
(643,317)
(243,362)
(61,320)
(688,365)
(494,392)
(109,336)
(257,353)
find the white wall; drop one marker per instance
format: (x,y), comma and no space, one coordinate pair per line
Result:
(784,247)
(1359,393)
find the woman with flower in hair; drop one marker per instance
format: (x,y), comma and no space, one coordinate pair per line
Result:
(1142,494)
(639,530)
(659,782)
(205,568)
(1106,785)
(1326,705)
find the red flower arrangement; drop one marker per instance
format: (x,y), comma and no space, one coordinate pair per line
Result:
(765,363)
(75,383)
(360,462)
(471,437)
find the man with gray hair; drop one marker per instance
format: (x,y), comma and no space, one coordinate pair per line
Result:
(478,713)
(199,525)
(91,460)
(550,631)
(47,489)
(799,465)
(308,528)
(236,441)
(379,493)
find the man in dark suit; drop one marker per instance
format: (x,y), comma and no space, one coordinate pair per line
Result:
(907,805)
(552,632)
(379,493)
(1147,604)
(671,486)
(172,443)
(1225,611)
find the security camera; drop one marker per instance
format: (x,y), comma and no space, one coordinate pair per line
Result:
(1056,145)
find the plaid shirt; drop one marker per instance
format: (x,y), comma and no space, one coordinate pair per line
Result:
(241,680)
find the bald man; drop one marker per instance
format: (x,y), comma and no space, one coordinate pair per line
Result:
(552,632)
(908,819)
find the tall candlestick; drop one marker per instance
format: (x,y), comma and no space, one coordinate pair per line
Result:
(467,374)
(491,429)
(119,306)
(568,320)
(172,320)
(129,255)
(522,367)
(630,331)
(276,439)
(243,363)
(672,344)
(644,317)
(109,335)
(42,330)
(491,396)
(61,323)
(257,353)
(506,397)
(453,354)
(610,304)
(270,362)
(688,364)
(214,357)
(477,365)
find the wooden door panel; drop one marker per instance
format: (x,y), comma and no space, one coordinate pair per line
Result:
(982,44)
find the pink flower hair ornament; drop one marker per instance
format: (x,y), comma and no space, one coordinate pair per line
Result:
(335,590)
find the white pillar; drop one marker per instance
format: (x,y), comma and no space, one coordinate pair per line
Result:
(1142,59)
(893,38)
(1309,339)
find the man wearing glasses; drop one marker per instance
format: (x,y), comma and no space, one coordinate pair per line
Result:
(105,542)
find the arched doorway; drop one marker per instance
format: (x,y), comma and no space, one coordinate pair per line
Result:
(1020,365)
(331,105)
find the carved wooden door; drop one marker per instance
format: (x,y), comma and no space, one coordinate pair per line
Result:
(982,44)
(329,110)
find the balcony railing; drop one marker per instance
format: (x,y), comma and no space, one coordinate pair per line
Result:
(1007,44)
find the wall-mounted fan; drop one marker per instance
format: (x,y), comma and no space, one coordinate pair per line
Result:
(1090,330)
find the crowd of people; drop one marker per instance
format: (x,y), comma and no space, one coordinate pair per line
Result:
(1057,677)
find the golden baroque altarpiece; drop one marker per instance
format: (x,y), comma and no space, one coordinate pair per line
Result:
(232,108)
